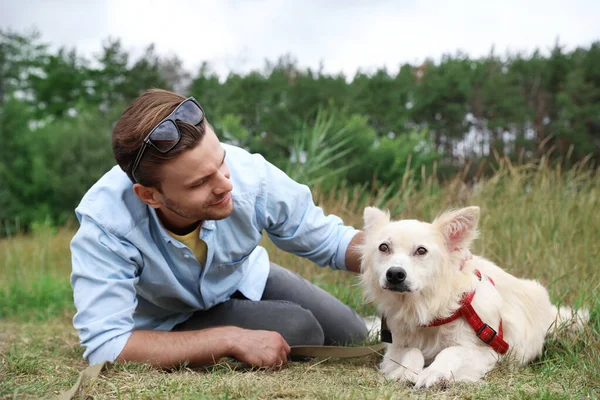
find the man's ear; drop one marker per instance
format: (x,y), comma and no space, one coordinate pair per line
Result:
(459,227)
(148,195)
(374,218)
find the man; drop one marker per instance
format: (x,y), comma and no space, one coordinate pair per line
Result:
(166,263)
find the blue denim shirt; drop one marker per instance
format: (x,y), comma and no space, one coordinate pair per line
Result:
(129,273)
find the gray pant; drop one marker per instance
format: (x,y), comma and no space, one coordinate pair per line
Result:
(301,312)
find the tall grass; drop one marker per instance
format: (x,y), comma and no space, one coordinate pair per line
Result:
(34,278)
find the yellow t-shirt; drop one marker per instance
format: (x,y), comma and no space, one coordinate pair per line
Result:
(193,241)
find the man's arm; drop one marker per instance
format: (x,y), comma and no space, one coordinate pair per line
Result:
(287,212)
(353,254)
(206,346)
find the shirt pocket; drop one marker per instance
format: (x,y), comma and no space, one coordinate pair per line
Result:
(223,278)
(235,264)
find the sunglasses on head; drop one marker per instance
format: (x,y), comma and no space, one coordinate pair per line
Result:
(165,135)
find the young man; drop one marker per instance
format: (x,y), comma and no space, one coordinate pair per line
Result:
(166,263)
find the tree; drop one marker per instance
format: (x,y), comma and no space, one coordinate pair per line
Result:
(21,56)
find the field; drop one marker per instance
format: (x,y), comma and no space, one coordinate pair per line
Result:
(536,222)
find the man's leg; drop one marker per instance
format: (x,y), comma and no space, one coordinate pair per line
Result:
(297,325)
(340,323)
(301,312)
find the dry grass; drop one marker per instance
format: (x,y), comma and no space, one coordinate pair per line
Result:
(536,222)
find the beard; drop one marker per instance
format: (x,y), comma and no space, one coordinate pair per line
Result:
(210,213)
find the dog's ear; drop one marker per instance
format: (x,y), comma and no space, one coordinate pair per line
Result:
(373,217)
(459,227)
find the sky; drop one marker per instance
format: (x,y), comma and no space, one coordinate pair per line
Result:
(341,36)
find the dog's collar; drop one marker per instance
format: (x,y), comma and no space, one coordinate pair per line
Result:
(482,330)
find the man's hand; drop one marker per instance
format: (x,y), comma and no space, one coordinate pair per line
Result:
(206,346)
(260,348)
(353,256)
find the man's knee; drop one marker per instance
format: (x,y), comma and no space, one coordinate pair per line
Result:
(350,333)
(300,327)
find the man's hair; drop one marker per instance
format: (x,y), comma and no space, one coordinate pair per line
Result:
(143,114)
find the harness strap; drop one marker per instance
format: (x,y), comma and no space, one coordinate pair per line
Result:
(483,331)
(466,299)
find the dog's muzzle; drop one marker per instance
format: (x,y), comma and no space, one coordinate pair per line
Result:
(395,278)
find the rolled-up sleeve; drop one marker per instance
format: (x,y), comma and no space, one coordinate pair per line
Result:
(103,278)
(295,224)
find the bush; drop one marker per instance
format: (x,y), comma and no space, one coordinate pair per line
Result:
(46,169)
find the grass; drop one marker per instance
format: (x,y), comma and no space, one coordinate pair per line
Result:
(537,222)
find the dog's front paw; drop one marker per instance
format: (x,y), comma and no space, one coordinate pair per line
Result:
(429,377)
(402,364)
(398,372)
(402,374)
(388,366)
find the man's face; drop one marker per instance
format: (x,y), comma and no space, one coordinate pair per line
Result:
(195,186)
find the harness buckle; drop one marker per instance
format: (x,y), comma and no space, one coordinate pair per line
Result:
(486,333)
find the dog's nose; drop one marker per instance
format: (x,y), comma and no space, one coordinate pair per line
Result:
(395,275)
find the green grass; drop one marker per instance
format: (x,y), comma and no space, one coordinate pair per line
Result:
(537,222)
(34,278)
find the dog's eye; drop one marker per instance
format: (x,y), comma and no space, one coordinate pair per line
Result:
(384,248)
(421,251)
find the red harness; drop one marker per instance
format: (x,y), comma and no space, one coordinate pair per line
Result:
(482,330)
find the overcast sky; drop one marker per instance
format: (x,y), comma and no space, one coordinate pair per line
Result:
(236,35)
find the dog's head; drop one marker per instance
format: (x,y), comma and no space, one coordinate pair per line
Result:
(410,256)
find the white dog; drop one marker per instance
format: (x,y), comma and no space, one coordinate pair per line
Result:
(446,310)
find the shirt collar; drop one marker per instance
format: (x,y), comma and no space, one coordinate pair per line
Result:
(208,225)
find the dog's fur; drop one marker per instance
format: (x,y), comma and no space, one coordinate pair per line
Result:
(432,289)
